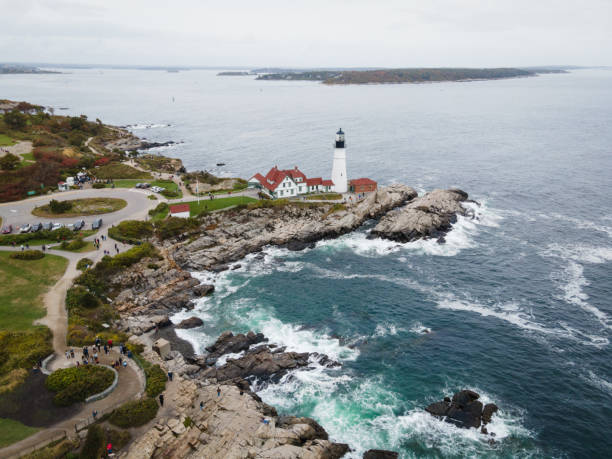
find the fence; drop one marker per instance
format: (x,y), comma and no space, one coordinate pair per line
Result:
(41,444)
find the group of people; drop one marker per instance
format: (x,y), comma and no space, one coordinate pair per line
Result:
(93,356)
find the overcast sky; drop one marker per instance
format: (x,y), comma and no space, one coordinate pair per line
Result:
(380,33)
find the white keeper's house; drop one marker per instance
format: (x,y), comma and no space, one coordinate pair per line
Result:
(288,183)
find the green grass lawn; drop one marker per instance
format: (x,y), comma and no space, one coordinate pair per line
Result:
(216,204)
(119,171)
(32,242)
(22,284)
(14,431)
(324,196)
(86,206)
(6,141)
(88,247)
(28,156)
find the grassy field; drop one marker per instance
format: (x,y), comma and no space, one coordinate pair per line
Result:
(82,207)
(14,431)
(5,239)
(216,204)
(119,171)
(28,157)
(88,247)
(6,141)
(22,283)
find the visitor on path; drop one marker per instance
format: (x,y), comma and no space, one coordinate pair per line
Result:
(43,247)
(94,414)
(106,349)
(124,363)
(161,399)
(85,351)
(28,246)
(78,364)
(67,354)
(218,392)
(22,248)
(109,449)
(201,406)
(170,376)
(72,353)
(110,344)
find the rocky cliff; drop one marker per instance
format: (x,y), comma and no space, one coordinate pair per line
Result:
(231,238)
(429,216)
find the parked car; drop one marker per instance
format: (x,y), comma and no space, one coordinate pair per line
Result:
(57,226)
(47,226)
(36,227)
(157,189)
(25,228)
(7,229)
(78,225)
(97,224)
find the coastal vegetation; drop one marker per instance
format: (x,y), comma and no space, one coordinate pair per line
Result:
(408,75)
(77,245)
(75,384)
(135,413)
(27,255)
(324,196)
(115,170)
(43,237)
(13,431)
(79,207)
(173,226)
(156,380)
(209,205)
(83,264)
(131,231)
(160,212)
(159,163)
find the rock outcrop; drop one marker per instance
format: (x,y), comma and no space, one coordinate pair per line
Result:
(380,454)
(429,216)
(294,226)
(464,410)
(256,361)
(191,322)
(230,425)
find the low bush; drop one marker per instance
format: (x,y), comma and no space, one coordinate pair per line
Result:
(74,245)
(59,207)
(98,185)
(94,443)
(170,193)
(75,384)
(79,297)
(57,235)
(131,231)
(11,380)
(84,263)
(56,450)
(152,197)
(156,380)
(27,255)
(174,226)
(24,349)
(135,413)
(161,207)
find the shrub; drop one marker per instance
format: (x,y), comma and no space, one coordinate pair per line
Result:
(98,185)
(152,266)
(75,384)
(83,263)
(135,413)
(188,422)
(152,197)
(23,349)
(156,380)
(174,226)
(170,193)
(79,296)
(94,443)
(131,231)
(161,207)
(59,207)
(27,255)
(77,244)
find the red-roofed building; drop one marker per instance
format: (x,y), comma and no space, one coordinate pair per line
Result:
(288,183)
(180,210)
(362,185)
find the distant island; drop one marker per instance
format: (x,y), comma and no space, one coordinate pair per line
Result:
(416,75)
(20,69)
(234,73)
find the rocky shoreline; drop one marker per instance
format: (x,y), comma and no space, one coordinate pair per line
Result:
(238,423)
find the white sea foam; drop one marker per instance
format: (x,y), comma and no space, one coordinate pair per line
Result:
(223,359)
(387,329)
(584,224)
(420,329)
(580,253)
(571,281)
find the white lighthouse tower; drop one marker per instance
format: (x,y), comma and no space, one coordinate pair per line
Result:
(339,167)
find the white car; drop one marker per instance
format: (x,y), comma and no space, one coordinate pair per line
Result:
(25,228)
(57,226)
(157,189)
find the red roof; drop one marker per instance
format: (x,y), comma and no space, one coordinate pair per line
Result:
(314,181)
(275,176)
(179,208)
(327,183)
(362,181)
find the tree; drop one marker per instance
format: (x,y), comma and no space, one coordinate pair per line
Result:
(9,162)
(16,120)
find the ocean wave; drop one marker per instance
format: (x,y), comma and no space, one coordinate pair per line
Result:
(420,329)
(598,382)
(367,414)
(386,329)
(583,223)
(580,253)
(571,281)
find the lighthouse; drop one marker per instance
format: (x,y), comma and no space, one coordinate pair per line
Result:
(339,167)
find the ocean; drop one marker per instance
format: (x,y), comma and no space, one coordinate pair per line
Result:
(516,305)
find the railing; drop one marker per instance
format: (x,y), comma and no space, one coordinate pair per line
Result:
(41,444)
(106,391)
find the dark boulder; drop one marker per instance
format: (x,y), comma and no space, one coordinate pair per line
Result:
(464,410)
(380,454)
(203,289)
(219,268)
(228,343)
(192,322)
(296,245)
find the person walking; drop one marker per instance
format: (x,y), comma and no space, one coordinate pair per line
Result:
(218,392)
(170,374)
(94,414)
(72,353)
(161,399)
(201,406)
(106,349)
(22,248)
